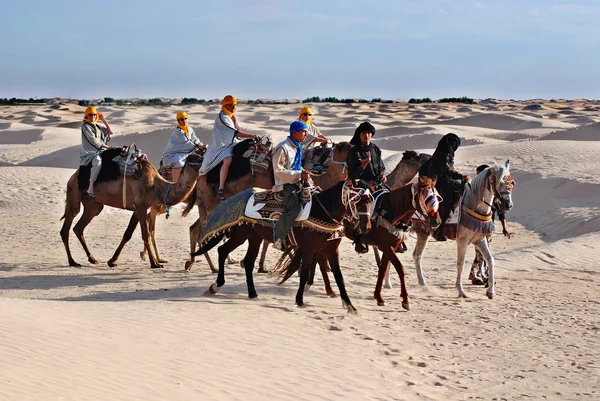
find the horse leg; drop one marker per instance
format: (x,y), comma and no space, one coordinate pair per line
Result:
(387,282)
(311,274)
(380,277)
(248,262)
(484,248)
(71,210)
(237,238)
(133,222)
(324,266)
(388,251)
(462,245)
(263,256)
(307,259)
(418,255)
(334,262)
(90,210)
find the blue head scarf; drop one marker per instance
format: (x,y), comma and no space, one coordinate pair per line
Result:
(297,126)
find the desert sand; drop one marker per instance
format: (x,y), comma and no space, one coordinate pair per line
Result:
(132,333)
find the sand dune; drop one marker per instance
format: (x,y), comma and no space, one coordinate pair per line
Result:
(128,332)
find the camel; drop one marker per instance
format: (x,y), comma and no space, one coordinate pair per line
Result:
(148,190)
(205,196)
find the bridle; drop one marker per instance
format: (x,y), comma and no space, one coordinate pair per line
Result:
(351,196)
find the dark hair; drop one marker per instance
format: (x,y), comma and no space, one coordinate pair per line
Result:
(481,168)
(366,126)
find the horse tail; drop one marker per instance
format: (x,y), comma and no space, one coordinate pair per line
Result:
(191,202)
(288,264)
(208,245)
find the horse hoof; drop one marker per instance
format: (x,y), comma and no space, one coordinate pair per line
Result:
(388,286)
(381,303)
(112,263)
(349,307)
(92,260)
(253,296)
(462,295)
(162,261)
(332,294)
(307,287)
(262,270)
(143,255)
(406,305)
(158,266)
(490,295)
(188,265)
(74,264)
(233,262)
(212,290)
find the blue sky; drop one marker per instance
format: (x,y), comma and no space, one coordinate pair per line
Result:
(394,49)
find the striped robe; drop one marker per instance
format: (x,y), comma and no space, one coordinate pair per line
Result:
(222,142)
(93,136)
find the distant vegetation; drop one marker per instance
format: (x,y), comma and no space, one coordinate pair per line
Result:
(423,100)
(14,101)
(463,99)
(317,99)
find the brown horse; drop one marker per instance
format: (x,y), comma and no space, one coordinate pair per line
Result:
(390,209)
(342,201)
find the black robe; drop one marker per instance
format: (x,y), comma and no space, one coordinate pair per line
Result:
(373,171)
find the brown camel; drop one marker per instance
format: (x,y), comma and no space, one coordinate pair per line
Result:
(205,195)
(142,193)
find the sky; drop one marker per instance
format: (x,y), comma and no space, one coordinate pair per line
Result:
(392,49)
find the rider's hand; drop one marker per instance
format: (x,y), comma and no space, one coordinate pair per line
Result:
(100,116)
(383,179)
(466,178)
(365,162)
(506,233)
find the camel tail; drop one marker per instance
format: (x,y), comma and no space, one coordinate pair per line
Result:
(210,244)
(288,264)
(191,202)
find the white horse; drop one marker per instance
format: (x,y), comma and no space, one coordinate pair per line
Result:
(475,222)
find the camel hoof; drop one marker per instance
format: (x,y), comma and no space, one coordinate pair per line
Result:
(159,266)
(112,263)
(462,295)
(332,294)
(262,270)
(188,265)
(490,295)
(74,264)
(92,260)
(381,303)
(406,305)
(162,261)
(143,255)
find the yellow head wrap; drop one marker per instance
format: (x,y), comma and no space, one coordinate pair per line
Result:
(91,110)
(184,127)
(308,110)
(229,99)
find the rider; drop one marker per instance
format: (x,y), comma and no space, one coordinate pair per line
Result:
(365,163)
(94,138)
(226,134)
(182,142)
(477,275)
(314,135)
(287,166)
(449,180)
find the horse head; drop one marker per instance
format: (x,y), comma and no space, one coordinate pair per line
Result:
(427,200)
(357,198)
(502,185)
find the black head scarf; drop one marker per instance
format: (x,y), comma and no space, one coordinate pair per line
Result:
(366,126)
(448,144)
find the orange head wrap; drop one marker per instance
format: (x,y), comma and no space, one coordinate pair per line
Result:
(91,110)
(229,99)
(184,127)
(306,119)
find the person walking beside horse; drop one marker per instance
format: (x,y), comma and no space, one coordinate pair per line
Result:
(94,139)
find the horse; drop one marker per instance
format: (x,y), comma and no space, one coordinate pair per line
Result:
(475,222)
(389,210)
(345,200)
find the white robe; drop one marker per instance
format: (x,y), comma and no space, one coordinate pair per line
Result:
(222,142)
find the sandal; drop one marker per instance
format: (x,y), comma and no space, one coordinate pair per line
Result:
(221,195)
(91,196)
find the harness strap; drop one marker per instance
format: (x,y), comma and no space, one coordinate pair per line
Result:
(476,215)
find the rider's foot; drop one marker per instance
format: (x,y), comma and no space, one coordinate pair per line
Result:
(221,195)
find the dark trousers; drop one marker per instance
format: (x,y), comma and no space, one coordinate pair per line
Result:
(291,210)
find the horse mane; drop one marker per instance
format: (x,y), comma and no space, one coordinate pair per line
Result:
(474,193)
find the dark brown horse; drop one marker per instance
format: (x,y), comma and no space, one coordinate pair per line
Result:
(345,200)
(390,209)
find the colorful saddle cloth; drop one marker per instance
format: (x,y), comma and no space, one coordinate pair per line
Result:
(268,205)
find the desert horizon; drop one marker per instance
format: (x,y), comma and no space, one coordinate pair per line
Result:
(129,332)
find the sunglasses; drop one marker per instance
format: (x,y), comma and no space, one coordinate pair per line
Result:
(306,114)
(182,119)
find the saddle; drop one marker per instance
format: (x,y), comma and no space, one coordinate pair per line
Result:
(318,159)
(268,206)
(247,157)
(166,171)
(115,163)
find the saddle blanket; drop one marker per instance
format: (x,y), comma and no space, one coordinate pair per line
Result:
(268,205)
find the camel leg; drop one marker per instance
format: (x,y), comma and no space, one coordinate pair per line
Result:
(71,210)
(90,210)
(155,211)
(380,277)
(389,253)
(248,262)
(484,248)
(263,257)
(418,255)
(133,222)
(334,262)
(461,252)
(142,213)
